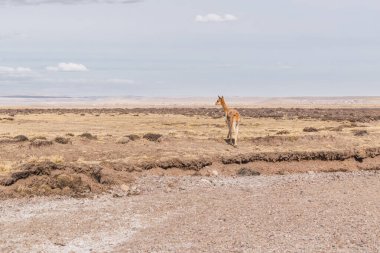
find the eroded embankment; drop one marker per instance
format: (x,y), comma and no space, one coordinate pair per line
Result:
(358,155)
(49,178)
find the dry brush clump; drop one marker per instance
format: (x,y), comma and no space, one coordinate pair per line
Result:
(62,140)
(360,132)
(247,172)
(310,129)
(7,118)
(88,136)
(283,132)
(40,143)
(20,138)
(16,139)
(152,137)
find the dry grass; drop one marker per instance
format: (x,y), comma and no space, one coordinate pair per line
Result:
(133,146)
(190,136)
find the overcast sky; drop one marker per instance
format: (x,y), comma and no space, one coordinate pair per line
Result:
(190,47)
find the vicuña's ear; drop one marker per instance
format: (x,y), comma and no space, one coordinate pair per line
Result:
(219,96)
(223,97)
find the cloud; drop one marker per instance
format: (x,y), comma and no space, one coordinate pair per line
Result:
(212,17)
(15,71)
(38,2)
(87,81)
(68,67)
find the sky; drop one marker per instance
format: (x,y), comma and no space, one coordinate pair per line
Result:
(183,48)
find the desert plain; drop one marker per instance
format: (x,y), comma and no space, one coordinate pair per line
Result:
(164,179)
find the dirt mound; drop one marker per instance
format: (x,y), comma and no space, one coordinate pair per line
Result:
(133,137)
(123,140)
(49,178)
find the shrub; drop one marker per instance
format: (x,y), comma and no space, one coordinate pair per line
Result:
(40,143)
(283,132)
(20,138)
(88,136)
(247,172)
(152,137)
(61,140)
(360,132)
(310,129)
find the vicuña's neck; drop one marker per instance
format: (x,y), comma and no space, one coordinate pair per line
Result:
(225,107)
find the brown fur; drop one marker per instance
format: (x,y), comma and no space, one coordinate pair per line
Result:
(232,120)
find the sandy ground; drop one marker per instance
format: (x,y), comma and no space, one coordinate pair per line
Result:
(310,212)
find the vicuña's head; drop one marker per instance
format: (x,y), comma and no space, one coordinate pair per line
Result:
(220,100)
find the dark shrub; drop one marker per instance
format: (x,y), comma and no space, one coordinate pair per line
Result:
(88,136)
(310,129)
(152,137)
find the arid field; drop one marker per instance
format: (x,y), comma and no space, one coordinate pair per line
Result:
(166,180)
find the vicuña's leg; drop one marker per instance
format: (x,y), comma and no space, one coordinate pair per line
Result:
(236,132)
(233,127)
(229,135)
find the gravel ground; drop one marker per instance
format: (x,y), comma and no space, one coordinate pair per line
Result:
(315,212)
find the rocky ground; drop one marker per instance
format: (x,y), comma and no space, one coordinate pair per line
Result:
(309,212)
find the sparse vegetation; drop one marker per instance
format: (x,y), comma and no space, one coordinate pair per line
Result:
(247,172)
(310,129)
(40,143)
(152,137)
(195,144)
(20,138)
(88,136)
(360,132)
(61,140)
(283,132)
(8,118)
